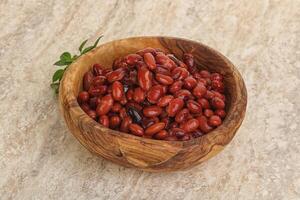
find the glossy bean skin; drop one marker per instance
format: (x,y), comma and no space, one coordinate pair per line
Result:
(174,106)
(98,91)
(220,113)
(92,114)
(155,93)
(217,103)
(146,50)
(190,83)
(204,103)
(125,124)
(130,94)
(116,75)
(104,120)
(105,105)
(175,87)
(98,80)
(83,96)
(161,70)
(180,73)
(155,128)
(203,125)
(136,129)
(199,91)
(191,125)
(116,107)
(97,69)
(208,113)
(215,120)
(188,59)
(182,115)
(117,90)
(184,94)
(87,80)
(150,60)
(165,100)
(132,59)
(193,106)
(144,77)
(178,132)
(139,95)
(197,133)
(164,79)
(152,111)
(146,122)
(161,135)
(114,121)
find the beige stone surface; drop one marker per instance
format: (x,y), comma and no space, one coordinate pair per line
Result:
(40,159)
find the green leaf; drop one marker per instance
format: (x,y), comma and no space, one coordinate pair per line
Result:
(66,56)
(87,49)
(82,45)
(96,43)
(55,87)
(60,63)
(58,75)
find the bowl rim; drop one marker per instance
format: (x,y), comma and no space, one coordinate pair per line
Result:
(75,108)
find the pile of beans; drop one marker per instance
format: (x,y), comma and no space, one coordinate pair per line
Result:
(155,95)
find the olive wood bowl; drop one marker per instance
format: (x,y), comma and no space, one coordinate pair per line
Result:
(143,153)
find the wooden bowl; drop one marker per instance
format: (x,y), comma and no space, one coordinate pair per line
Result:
(142,153)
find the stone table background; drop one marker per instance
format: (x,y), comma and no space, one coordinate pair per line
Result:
(40,159)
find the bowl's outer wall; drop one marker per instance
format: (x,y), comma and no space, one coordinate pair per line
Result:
(143,153)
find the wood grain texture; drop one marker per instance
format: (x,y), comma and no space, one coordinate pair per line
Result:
(148,154)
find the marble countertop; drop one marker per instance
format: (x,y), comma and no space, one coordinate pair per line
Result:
(40,159)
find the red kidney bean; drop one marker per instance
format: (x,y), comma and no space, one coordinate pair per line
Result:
(204,103)
(123,100)
(98,80)
(205,74)
(83,96)
(85,107)
(197,133)
(178,132)
(114,121)
(105,105)
(203,126)
(97,69)
(184,94)
(123,113)
(139,95)
(161,70)
(193,106)
(136,129)
(163,114)
(214,120)
(165,100)
(125,124)
(216,76)
(220,113)
(209,95)
(155,128)
(188,59)
(164,79)
(155,93)
(132,59)
(116,107)
(135,105)
(116,75)
(150,61)
(92,114)
(217,85)
(191,125)
(186,138)
(161,135)
(175,87)
(130,94)
(200,90)
(98,91)
(174,106)
(217,103)
(190,83)
(104,120)
(173,125)
(93,102)
(180,73)
(87,80)
(152,111)
(144,77)
(208,112)
(117,90)
(146,122)
(182,115)
(218,94)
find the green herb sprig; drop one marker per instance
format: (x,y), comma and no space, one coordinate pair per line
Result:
(66,59)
